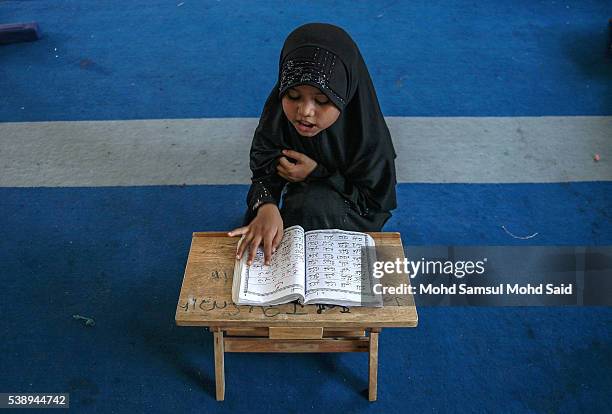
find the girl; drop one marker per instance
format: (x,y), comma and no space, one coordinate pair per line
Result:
(323,140)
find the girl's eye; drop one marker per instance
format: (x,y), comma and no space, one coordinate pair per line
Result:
(322,102)
(293,96)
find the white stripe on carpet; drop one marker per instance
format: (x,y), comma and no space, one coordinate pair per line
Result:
(215,151)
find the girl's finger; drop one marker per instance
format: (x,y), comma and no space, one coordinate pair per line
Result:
(242,247)
(294,154)
(284,170)
(253,249)
(285,162)
(277,239)
(267,249)
(281,169)
(239,231)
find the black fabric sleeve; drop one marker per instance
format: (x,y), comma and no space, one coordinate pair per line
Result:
(266,189)
(266,184)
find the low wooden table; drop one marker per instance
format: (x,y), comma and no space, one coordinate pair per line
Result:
(206,300)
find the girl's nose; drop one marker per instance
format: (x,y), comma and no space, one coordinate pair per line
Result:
(306,109)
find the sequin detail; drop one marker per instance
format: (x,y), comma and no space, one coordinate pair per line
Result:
(262,194)
(317,70)
(365,212)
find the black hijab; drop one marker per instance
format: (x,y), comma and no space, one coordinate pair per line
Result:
(356,153)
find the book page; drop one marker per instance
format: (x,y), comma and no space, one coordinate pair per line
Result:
(285,275)
(333,265)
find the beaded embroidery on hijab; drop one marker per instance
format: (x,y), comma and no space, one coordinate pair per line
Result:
(316,67)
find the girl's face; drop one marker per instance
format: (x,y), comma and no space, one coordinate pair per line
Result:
(309,110)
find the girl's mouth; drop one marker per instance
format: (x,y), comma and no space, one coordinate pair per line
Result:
(304,126)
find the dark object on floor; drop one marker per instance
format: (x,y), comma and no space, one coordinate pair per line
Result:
(88,321)
(19,32)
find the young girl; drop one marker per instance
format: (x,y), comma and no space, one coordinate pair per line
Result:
(323,139)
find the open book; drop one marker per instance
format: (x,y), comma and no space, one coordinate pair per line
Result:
(314,267)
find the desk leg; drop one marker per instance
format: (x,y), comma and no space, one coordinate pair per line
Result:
(219,365)
(373,366)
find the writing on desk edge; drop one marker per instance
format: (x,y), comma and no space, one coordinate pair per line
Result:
(231,309)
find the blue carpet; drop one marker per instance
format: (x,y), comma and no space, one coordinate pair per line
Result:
(117,254)
(129,60)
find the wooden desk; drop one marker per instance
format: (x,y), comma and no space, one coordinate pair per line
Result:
(206,300)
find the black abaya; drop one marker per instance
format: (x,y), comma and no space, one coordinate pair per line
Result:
(353,186)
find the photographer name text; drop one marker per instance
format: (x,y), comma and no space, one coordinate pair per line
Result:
(465,289)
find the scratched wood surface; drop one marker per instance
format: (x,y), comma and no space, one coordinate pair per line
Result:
(206,293)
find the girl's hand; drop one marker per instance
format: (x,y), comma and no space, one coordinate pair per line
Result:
(266,227)
(295,172)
